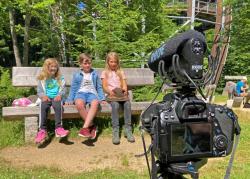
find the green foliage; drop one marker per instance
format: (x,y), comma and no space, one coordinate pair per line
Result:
(148,93)
(133,30)
(239,53)
(7,92)
(12,133)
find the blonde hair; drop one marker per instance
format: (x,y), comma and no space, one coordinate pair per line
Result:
(118,71)
(83,57)
(44,75)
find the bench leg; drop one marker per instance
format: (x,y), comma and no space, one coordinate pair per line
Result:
(31,126)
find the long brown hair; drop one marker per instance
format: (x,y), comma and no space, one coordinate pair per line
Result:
(44,75)
(118,71)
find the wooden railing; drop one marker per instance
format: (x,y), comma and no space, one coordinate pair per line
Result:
(209,7)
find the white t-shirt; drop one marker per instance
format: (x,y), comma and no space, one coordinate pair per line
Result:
(87,85)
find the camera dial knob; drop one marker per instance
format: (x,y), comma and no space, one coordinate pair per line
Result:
(220,142)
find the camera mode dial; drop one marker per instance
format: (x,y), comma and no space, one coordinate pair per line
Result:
(220,142)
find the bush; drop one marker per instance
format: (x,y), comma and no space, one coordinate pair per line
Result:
(7,92)
(148,93)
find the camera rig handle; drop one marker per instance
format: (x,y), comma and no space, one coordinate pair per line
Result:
(184,168)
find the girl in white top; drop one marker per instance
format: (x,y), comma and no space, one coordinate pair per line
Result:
(113,77)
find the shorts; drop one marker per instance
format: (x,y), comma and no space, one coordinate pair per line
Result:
(86,97)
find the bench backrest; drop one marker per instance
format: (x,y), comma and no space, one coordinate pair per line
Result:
(27,76)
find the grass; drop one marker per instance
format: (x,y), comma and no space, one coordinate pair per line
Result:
(11,134)
(220,99)
(8,172)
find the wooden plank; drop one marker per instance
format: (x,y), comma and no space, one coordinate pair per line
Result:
(235,77)
(69,110)
(237,102)
(27,76)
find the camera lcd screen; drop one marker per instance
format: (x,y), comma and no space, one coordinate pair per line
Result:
(191,139)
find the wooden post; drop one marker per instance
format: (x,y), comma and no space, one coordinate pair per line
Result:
(217,25)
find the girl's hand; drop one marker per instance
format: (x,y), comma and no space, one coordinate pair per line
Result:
(58,98)
(111,93)
(125,91)
(45,98)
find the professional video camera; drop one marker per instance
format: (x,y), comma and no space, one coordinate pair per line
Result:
(184,129)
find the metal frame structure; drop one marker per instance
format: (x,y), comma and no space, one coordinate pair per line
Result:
(222,24)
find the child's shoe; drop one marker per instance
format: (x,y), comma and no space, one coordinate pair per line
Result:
(128,134)
(115,136)
(93,131)
(85,132)
(41,135)
(61,132)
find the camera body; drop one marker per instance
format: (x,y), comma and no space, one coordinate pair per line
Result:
(183,128)
(186,128)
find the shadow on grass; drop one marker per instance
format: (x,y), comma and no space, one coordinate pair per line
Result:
(65,140)
(45,143)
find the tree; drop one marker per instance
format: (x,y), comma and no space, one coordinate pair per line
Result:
(239,53)
(53,28)
(14,36)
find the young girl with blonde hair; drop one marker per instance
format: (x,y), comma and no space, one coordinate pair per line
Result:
(50,89)
(114,80)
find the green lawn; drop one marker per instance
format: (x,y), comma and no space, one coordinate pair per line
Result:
(220,99)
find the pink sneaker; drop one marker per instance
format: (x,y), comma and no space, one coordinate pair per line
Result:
(41,135)
(85,132)
(93,131)
(61,132)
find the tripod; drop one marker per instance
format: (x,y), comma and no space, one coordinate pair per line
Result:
(176,170)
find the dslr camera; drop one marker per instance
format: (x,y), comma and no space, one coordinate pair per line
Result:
(185,130)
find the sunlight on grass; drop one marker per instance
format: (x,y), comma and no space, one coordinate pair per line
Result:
(220,99)
(7,171)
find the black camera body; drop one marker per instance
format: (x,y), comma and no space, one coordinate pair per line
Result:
(186,129)
(183,127)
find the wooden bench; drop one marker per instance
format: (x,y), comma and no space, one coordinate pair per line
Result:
(26,77)
(230,89)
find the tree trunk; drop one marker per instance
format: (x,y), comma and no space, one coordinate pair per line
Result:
(14,38)
(57,20)
(26,39)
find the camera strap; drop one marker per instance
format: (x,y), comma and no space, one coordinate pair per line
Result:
(230,163)
(152,175)
(146,152)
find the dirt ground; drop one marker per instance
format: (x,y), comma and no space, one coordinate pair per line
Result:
(79,155)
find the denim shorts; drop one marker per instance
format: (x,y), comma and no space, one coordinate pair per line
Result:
(86,97)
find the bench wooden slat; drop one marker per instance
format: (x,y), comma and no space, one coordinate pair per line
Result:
(69,110)
(234,77)
(26,76)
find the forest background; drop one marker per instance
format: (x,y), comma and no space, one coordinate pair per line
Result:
(32,30)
